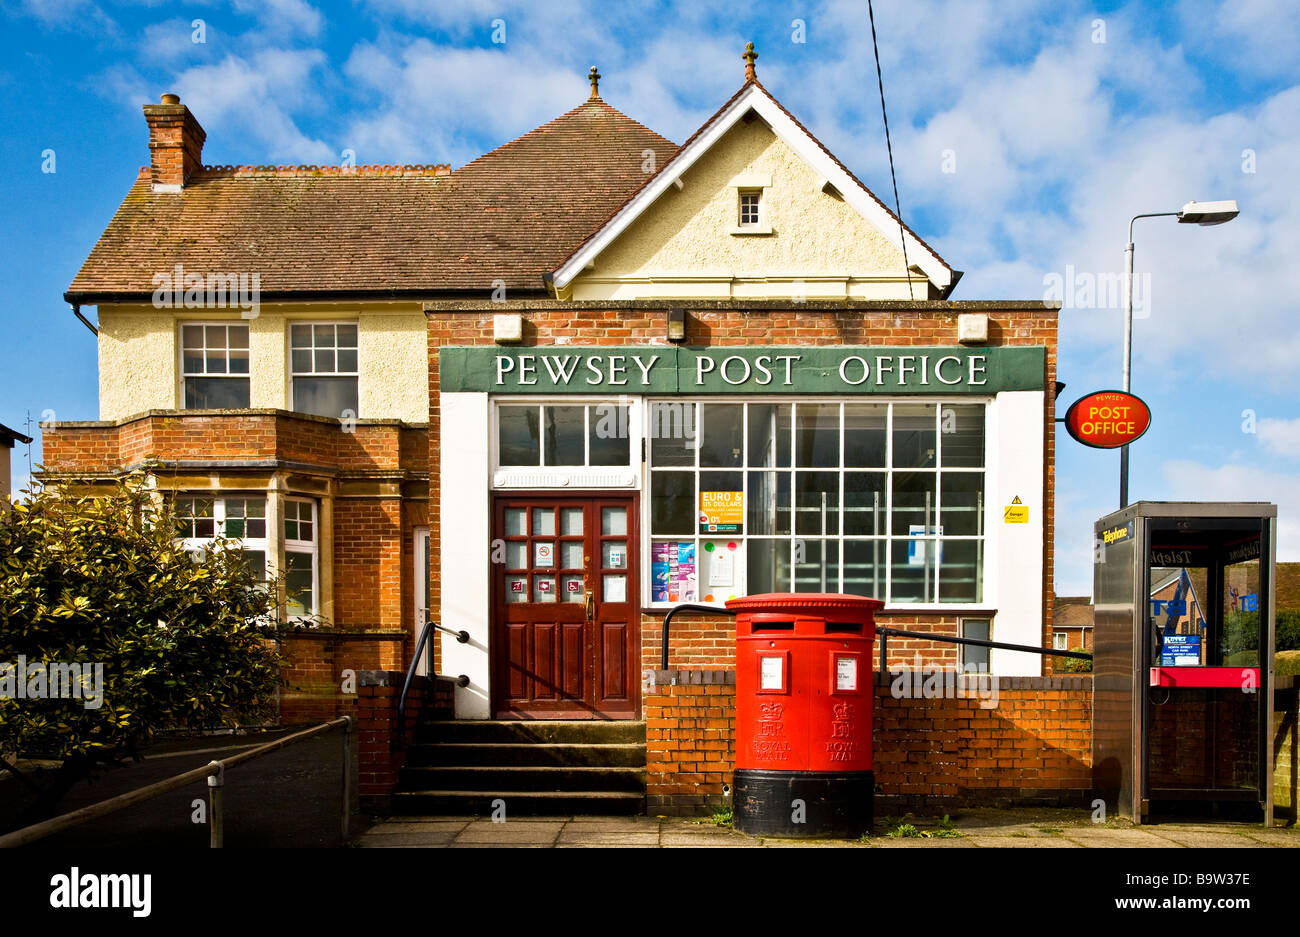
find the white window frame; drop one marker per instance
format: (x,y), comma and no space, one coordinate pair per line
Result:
(180,355)
(304,547)
(984,609)
(295,374)
(752,184)
(1060,640)
(566,476)
(219,499)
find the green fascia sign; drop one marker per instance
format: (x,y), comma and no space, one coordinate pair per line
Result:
(669,369)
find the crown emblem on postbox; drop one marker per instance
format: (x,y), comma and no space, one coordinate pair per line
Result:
(842,711)
(770,710)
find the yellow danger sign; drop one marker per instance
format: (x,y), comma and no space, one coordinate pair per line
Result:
(1015,512)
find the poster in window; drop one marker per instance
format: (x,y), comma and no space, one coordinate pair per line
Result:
(721,512)
(918,549)
(672,572)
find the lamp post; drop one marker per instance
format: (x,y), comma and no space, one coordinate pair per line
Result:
(1201,213)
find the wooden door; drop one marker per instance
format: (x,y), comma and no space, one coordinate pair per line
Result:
(566,636)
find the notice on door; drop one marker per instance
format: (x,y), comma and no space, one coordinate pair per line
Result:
(721,512)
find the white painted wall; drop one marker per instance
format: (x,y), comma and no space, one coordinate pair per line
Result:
(465,550)
(1015,586)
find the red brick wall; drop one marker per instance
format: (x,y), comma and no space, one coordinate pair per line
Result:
(88,447)
(690,741)
(698,641)
(1035,745)
(312,678)
(379,761)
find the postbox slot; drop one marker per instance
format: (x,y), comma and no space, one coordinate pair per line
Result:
(843,627)
(759,627)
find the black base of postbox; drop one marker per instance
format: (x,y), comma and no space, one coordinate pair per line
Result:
(803,804)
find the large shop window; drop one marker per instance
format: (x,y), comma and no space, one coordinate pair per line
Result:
(214,365)
(876,499)
(563,435)
(323,360)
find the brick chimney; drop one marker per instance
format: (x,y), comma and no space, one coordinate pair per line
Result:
(175,143)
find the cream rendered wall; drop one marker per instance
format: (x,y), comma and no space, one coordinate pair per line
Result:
(137,360)
(683,246)
(139,357)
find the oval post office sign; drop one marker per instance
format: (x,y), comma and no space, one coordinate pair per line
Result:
(1107,419)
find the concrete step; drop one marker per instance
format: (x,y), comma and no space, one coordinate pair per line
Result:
(518,803)
(466,754)
(497,777)
(557,731)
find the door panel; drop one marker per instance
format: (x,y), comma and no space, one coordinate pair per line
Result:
(565,610)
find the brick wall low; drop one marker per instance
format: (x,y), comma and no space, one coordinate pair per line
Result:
(312,688)
(690,727)
(379,760)
(1032,746)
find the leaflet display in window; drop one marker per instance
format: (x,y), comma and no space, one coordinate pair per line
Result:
(673,573)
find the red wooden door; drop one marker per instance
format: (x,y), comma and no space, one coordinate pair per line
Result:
(566,641)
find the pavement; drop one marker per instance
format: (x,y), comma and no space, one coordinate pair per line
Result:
(287,798)
(971,829)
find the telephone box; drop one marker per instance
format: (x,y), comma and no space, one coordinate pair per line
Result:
(1183,660)
(804,697)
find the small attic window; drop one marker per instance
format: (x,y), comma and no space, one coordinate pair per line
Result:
(750,201)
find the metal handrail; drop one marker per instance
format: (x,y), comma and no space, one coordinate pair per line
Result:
(214,771)
(885,633)
(461,681)
(711,609)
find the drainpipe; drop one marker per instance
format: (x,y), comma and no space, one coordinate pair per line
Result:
(76,311)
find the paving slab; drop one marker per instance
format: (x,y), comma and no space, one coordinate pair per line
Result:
(693,841)
(1207,839)
(390,840)
(1020,842)
(597,838)
(428,827)
(901,842)
(1122,838)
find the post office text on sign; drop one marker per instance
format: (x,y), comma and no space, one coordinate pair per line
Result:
(614,370)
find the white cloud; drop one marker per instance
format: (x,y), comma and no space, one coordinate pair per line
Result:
(1192,481)
(288,18)
(238,98)
(1281,437)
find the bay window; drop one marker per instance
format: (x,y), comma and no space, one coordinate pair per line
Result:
(241,521)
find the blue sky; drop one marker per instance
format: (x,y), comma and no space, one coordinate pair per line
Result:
(1054,120)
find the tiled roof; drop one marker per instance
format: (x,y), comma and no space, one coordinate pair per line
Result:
(9,436)
(513,214)
(1073,611)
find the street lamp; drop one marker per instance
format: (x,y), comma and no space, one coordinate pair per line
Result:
(1201,213)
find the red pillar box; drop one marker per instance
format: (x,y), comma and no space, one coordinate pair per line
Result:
(803,714)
